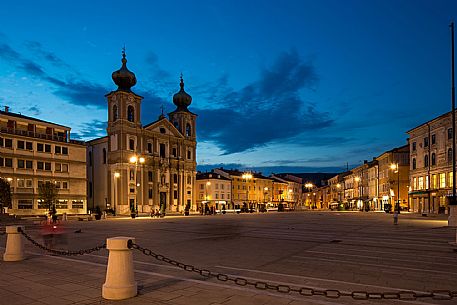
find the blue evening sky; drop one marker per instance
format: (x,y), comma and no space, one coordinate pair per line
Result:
(278,85)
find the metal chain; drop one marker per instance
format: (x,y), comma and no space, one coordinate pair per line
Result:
(61,252)
(304,291)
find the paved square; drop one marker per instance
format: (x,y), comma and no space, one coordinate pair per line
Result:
(343,251)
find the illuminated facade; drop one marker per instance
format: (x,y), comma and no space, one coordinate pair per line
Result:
(213,191)
(33,152)
(140,169)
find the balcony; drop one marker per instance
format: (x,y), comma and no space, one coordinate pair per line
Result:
(32,134)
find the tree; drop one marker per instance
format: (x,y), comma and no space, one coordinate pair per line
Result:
(5,194)
(47,192)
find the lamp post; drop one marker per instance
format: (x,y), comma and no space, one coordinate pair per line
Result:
(396,169)
(265,192)
(338,186)
(246,177)
(308,186)
(135,160)
(116,177)
(207,185)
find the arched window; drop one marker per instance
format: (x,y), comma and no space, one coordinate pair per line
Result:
(130,113)
(188,130)
(433,159)
(449,155)
(426,161)
(175,178)
(104,155)
(414,163)
(115,115)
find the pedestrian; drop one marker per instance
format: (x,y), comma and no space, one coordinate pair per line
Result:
(396,217)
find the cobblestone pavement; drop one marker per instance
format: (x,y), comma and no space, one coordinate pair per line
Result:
(318,250)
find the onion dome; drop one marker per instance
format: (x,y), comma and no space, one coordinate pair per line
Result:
(181,99)
(124,78)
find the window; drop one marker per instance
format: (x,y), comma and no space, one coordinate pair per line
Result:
(47,148)
(29,145)
(426,161)
(47,166)
(104,155)
(77,204)
(20,163)
(64,185)
(64,150)
(40,147)
(222,186)
(174,152)
(217,186)
(217,195)
(425,142)
(131,144)
(1,142)
(442,180)
(189,155)
(57,183)
(433,159)
(433,182)
(2,162)
(132,175)
(421,183)
(130,113)
(149,176)
(25,204)
(40,165)
(449,133)
(414,146)
(175,178)
(433,139)
(150,148)
(114,112)
(8,162)
(150,193)
(188,130)
(8,143)
(58,149)
(189,180)
(222,196)
(162,150)
(162,130)
(414,163)
(175,194)
(20,144)
(62,204)
(202,186)
(449,155)
(20,183)
(450,179)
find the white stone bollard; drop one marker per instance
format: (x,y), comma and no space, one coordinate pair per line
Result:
(120,282)
(14,247)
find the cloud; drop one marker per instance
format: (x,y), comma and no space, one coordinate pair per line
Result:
(267,170)
(35,110)
(90,130)
(37,48)
(265,111)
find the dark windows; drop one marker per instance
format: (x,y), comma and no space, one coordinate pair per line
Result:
(104,155)
(8,143)
(433,159)
(188,130)
(414,146)
(174,152)
(8,162)
(175,178)
(149,176)
(433,139)
(449,155)
(20,163)
(58,149)
(114,112)
(20,144)
(40,147)
(130,113)
(426,161)
(29,164)
(47,148)
(40,165)
(162,150)
(414,163)
(175,194)
(131,144)
(64,150)
(189,155)
(425,142)
(150,193)
(449,133)
(150,148)
(163,130)
(47,166)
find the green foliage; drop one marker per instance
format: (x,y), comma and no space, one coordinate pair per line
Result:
(5,194)
(47,192)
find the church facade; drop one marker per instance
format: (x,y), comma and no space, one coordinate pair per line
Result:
(140,168)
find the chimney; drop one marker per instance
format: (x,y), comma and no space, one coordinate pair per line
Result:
(7,109)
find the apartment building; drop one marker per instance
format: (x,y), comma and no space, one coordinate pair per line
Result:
(213,191)
(32,152)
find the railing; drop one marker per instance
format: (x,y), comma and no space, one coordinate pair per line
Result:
(33,134)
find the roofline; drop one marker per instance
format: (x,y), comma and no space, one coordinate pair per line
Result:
(17,115)
(429,121)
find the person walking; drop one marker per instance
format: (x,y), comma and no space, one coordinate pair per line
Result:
(396,212)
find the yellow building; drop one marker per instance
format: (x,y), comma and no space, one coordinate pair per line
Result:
(33,152)
(140,168)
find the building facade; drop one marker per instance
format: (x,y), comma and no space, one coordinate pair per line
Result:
(33,152)
(430,179)
(213,191)
(140,168)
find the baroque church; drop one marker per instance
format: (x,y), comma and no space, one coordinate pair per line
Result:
(140,168)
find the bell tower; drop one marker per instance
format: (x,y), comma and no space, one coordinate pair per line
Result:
(182,118)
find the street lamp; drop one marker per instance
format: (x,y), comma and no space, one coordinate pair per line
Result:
(116,177)
(395,168)
(208,184)
(135,160)
(309,186)
(247,176)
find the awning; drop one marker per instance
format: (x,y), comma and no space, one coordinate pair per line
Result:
(418,193)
